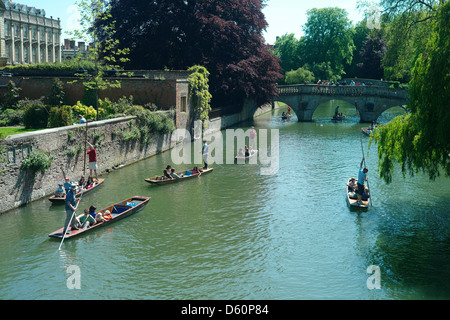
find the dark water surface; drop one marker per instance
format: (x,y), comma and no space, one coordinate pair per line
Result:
(237,234)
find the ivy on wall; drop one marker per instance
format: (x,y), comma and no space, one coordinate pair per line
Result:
(199,92)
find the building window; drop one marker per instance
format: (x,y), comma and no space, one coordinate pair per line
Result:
(34,56)
(16,31)
(8,51)
(7,30)
(25,32)
(16,49)
(183,104)
(25,54)
(42,55)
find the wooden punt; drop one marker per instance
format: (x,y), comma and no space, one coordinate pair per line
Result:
(161,180)
(118,211)
(352,198)
(61,200)
(243,158)
(367,131)
(338,118)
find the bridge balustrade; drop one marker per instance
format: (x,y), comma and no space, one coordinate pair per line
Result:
(341,91)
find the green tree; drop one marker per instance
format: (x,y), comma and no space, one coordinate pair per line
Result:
(287,48)
(420,141)
(299,76)
(328,42)
(106,52)
(361,31)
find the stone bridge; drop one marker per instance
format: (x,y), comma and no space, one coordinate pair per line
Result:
(370,101)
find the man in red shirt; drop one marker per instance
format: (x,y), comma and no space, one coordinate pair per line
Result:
(92,160)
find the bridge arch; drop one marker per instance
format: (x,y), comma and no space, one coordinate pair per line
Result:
(369,101)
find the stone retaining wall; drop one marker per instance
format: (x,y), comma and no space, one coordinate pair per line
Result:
(18,186)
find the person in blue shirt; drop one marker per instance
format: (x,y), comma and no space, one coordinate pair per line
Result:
(67,184)
(81,119)
(362,176)
(70,210)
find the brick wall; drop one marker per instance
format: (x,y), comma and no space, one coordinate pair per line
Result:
(163,93)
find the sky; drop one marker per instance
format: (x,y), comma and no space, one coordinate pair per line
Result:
(283,16)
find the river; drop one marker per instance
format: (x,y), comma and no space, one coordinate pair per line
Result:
(237,234)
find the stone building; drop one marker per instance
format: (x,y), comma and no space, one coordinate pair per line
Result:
(27,35)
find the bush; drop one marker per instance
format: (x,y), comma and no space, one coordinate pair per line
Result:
(37,161)
(10,117)
(88,112)
(60,117)
(56,97)
(11,96)
(36,116)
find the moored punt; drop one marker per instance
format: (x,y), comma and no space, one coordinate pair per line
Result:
(55,199)
(352,198)
(286,116)
(243,158)
(118,211)
(186,174)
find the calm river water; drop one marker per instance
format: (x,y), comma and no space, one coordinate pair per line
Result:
(237,234)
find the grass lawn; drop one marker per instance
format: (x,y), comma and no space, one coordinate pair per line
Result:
(9,131)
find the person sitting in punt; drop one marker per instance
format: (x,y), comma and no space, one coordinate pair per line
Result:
(86,220)
(99,217)
(352,185)
(89,183)
(173,174)
(196,171)
(365,196)
(166,174)
(247,152)
(60,192)
(92,211)
(81,184)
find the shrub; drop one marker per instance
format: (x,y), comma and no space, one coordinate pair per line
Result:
(56,97)
(11,96)
(88,112)
(11,117)
(37,161)
(60,116)
(36,116)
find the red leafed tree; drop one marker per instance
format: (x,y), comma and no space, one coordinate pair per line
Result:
(225,36)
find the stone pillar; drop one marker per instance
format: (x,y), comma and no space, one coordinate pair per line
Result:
(46,46)
(21,56)
(30,46)
(38,48)
(13,45)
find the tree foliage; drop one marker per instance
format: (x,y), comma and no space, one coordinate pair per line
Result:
(328,42)
(372,54)
(224,36)
(420,141)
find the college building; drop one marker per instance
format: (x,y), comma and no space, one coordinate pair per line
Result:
(27,36)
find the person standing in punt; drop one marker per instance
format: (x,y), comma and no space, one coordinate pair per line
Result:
(92,152)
